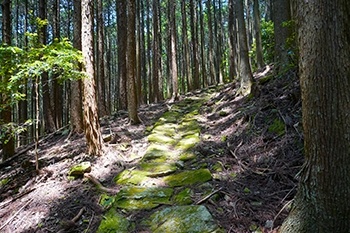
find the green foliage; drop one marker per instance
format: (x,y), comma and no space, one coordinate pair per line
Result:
(291,44)
(59,59)
(267,41)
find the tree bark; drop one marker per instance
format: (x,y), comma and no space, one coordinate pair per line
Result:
(195,68)
(322,202)
(281,14)
(122,44)
(6,114)
(173,53)
(76,105)
(101,93)
(257,28)
(156,51)
(131,61)
(245,72)
(91,120)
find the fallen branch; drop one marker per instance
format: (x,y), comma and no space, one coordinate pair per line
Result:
(208,196)
(15,214)
(99,185)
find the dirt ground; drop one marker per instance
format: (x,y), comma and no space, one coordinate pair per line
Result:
(257,141)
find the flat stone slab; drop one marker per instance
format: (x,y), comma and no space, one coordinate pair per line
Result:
(138,198)
(114,222)
(189,177)
(180,219)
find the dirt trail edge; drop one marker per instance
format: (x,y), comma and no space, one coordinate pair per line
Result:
(165,191)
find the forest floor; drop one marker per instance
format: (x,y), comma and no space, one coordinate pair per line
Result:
(251,146)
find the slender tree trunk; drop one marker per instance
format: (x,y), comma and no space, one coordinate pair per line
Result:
(322,202)
(281,14)
(49,120)
(259,52)
(101,93)
(76,105)
(232,41)
(156,50)
(56,98)
(173,53)
(6,114)
(195,68)
(245,72)
(186,57)
(122,44)
(131,61)
(212,73)
(203,60)
(91,119)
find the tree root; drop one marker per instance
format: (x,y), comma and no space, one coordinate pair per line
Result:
(99,185)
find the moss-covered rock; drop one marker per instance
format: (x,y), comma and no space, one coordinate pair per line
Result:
(181,219)
(114,222)
(183,197)
(187,142)
(161,139)
(158,169)
(188,178)
(132,177)
(136,198)
(80,169)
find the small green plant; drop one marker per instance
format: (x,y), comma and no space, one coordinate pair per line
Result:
(277,127)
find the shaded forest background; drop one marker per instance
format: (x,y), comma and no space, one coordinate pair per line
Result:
(179,47)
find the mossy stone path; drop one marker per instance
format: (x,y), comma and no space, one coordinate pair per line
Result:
(161,186)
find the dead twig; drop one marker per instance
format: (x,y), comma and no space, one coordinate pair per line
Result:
(15,214)
(208,196)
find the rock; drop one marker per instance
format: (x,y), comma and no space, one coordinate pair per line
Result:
(114,222)
(181,219)
(188,178)
(80,169)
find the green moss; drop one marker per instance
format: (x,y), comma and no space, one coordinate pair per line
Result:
(137,198)
(132,177)
(188,155)
(158,169)
(158,153)
(218,167)
(80,169)
(114,222)
(188,178)
(277,127)
(180,219)
(4,182)
(106,201)
(161,139)
(166,129)
(183,197)
(187,142)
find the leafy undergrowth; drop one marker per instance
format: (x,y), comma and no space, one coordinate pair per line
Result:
(251,146)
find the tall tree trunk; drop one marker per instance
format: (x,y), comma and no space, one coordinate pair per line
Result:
(6,114)
(212,73)
(186,57)
(56,98)
(101,93)
(91,119)
(131,61)
(203,60)
(232,41)
(47,105)
(257,28)
(122,44)
(281,14)
(195,68)
(156,51)
(76,105)
(173,53)
(322,202)
(245,72)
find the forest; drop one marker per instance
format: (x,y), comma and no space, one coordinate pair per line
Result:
(174,116)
